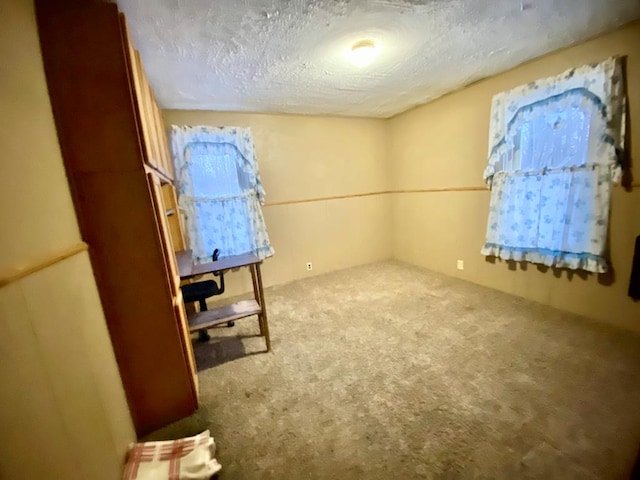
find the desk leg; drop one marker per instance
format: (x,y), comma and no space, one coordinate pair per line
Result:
(254,280)
(264,322)
(256,296)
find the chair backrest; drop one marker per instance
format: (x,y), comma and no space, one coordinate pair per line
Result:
(198,292)
(214,257)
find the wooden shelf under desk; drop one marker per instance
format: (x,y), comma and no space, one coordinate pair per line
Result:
(225,314)
(229,313)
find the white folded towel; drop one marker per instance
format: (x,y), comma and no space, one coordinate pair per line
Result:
(189,458)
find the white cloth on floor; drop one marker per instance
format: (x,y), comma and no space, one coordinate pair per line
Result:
(190,458)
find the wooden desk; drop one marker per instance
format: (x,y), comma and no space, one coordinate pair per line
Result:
(228,313)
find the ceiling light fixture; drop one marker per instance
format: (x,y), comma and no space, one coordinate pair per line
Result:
(363,53)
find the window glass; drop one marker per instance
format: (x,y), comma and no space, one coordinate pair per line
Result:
(214,171)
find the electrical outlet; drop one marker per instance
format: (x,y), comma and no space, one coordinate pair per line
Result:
(309,266)
(460,264)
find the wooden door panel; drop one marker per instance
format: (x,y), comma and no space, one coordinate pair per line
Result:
(137,83)
(120,225)
(173,275)
(181,317)
(87,79)
(173,217)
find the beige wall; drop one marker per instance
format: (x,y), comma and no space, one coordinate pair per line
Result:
(444,144)
(303,158)
(64,413)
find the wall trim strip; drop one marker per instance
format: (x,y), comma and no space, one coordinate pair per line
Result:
(17,273)
(479,188)
(323,199)
(444,189)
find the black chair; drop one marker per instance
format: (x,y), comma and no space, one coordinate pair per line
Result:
(200,291)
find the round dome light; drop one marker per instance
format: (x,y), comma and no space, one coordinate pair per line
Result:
(363,53)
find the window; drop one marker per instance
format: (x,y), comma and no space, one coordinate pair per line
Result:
(553,159)
(219,189)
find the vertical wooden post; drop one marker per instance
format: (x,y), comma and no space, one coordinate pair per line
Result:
(264,307)
(256,296)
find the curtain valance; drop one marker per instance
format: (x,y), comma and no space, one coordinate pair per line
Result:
(592,95)
(186,139)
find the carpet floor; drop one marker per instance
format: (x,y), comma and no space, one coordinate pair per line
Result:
(389,371)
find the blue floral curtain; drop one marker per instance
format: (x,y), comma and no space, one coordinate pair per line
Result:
(219,190)
(553,158)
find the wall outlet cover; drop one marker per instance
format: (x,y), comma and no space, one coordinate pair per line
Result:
(460,264)
(309,266)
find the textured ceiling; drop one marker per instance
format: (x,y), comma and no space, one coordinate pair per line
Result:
(289,55)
